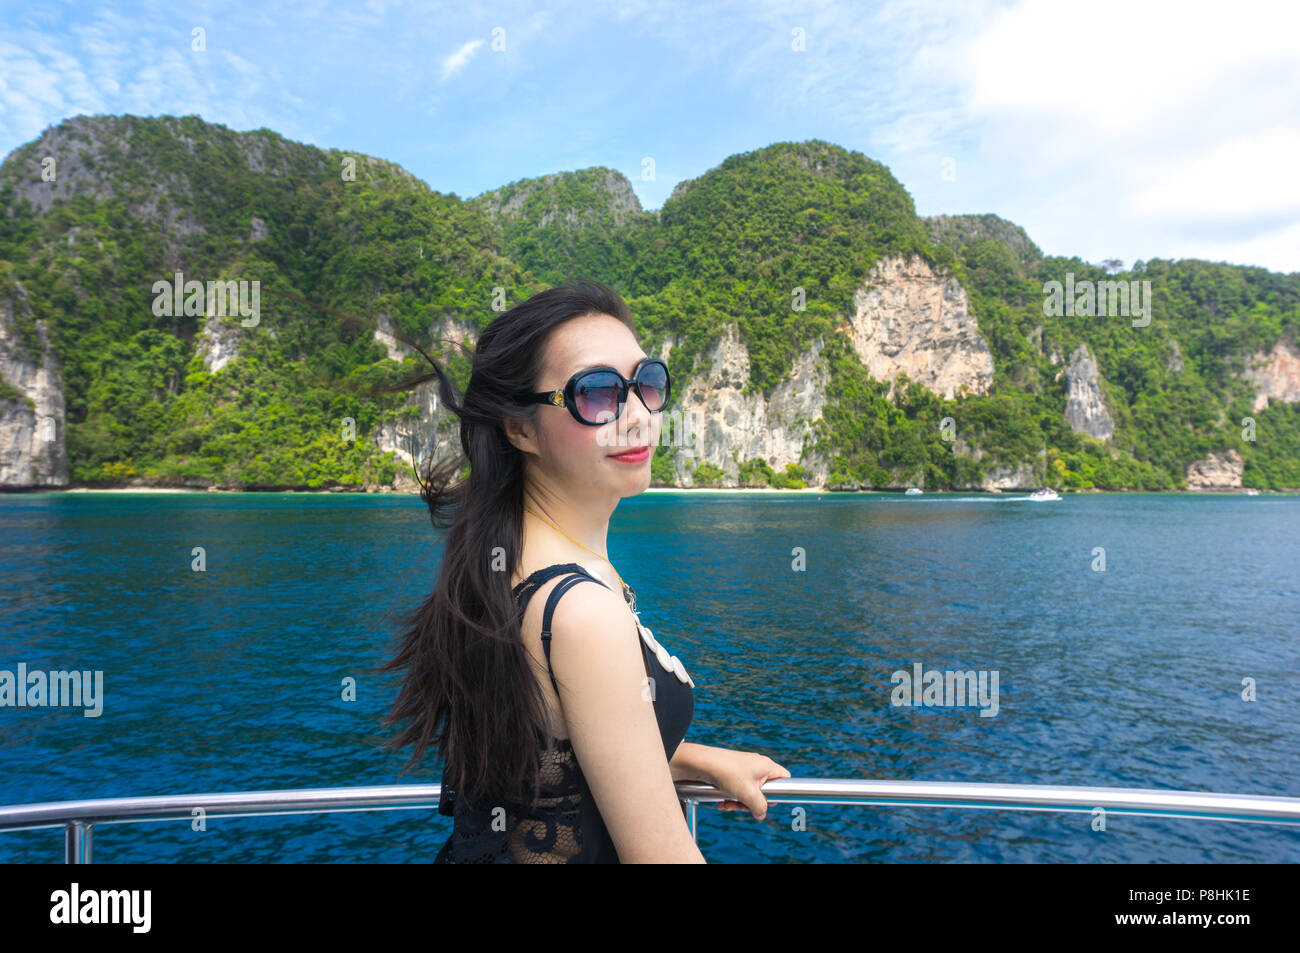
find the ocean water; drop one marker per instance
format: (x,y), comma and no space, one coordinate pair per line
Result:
(791,612)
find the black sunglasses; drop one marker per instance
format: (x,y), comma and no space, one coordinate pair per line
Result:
(597,395)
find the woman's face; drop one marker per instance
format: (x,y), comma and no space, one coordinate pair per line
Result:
(570,458)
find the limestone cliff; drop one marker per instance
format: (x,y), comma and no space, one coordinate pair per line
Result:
(732,428)
(32,450)
(217,344)
(1019,476)
(1275,374)
(1085,406)
(85,149)
(384,335)
(1174,360)
(1218,471)
(910,320)
(729,427)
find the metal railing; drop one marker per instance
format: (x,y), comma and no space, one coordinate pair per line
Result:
(79,818)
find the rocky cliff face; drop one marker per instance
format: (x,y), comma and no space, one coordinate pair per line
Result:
(83,147)
(1020,476)
(1218,471)
(1085,407)
(217,344)
(448,333)
(910,320)
(1275,374)
(32,452)
(384,335)
(733,428)
(77,147)
(1174,359)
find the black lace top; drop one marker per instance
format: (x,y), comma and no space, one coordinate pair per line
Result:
(564,826)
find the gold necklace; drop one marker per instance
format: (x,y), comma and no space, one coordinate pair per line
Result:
(628,594)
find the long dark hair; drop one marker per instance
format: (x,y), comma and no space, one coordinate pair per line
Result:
(468,687)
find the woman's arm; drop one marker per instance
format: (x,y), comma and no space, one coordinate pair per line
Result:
(600,671)
(691,762)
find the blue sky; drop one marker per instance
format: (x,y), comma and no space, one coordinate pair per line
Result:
(1107,128)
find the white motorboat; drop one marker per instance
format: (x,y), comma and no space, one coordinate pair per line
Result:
(1250,491)
(1044,494)
(913,491)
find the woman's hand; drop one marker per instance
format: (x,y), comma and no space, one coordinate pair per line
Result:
(741,774)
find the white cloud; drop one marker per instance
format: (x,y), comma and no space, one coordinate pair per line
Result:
(1249,177)
(1109,65)
(1275,250)
(460,59)
(1143,129)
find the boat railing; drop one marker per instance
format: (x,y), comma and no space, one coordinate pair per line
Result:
(79,818)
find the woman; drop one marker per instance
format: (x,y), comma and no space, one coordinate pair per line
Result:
(559,716)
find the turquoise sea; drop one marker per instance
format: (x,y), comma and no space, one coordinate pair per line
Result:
(1131,676)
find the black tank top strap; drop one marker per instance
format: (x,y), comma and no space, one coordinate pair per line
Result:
(534,581)
(551,602)
(524,591)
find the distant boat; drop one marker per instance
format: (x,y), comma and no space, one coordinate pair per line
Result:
(1250,491)
(913,491)
(1044,494)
